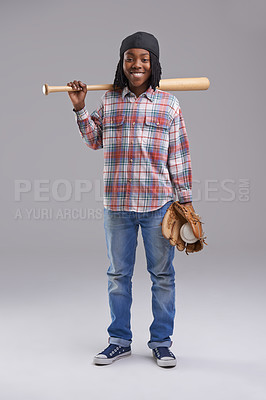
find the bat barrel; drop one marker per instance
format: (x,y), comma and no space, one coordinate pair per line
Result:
(180,84)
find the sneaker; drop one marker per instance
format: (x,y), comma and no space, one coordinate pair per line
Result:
(164,357)
(111,353)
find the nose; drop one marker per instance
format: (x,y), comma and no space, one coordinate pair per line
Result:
(136,64)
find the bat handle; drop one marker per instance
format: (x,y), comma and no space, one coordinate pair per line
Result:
(46,89)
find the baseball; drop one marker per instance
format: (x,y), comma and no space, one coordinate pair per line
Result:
(187,234)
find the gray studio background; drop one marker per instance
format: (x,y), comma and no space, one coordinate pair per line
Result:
(54,305)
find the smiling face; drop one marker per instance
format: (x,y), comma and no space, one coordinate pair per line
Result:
(137,68)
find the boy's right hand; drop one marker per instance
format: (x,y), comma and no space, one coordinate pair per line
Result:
(78,97)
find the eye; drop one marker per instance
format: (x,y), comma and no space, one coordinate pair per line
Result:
(145,60)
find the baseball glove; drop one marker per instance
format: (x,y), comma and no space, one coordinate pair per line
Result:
(175,217)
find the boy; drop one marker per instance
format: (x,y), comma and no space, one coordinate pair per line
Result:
(146,159)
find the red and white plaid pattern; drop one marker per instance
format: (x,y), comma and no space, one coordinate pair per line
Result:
(146,150)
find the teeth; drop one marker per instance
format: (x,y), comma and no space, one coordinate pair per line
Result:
(137,73)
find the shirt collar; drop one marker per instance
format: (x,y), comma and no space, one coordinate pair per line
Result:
(150,93)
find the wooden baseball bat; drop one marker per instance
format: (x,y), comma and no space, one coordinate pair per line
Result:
(176,84)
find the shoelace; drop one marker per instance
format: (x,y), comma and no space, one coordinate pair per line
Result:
(164,352)
(111,349)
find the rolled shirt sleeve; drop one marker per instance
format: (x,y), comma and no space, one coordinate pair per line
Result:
(179,162)
(90,127)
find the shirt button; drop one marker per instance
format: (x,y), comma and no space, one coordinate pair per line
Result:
(129,180)
(133,123)
(132,142)
(157,123)
(131,160)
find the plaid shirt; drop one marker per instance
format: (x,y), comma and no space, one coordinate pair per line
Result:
(146,151)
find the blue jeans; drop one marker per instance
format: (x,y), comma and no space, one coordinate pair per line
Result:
(121,231)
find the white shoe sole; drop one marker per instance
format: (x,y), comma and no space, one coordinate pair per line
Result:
(105,361)
(165,363)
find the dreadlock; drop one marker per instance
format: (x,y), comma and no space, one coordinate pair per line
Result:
(121,80)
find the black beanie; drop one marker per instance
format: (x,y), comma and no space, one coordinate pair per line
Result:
(140,40)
